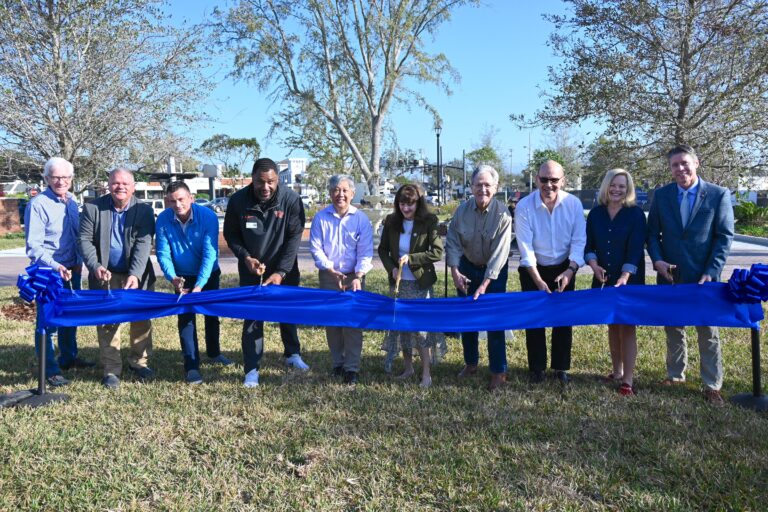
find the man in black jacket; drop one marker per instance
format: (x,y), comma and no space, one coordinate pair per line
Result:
(263,227)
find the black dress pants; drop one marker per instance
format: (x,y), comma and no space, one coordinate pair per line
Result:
(536,339)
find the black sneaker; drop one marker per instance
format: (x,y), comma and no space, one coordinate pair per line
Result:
(350,378)
(143,373)
(562,377)
(77,363)
(338,371)
(536,377)
(57,381)
(111,382)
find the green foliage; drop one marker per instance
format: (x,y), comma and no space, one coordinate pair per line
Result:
(542,155)
(12,240)
(749,213)
(307,442)
(659,73)
(234,153)
(607,153)
(485,155)
(752,230)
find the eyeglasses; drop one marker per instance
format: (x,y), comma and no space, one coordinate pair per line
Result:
(549,180)
(60,178)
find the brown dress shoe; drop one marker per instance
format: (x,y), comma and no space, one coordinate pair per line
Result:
(497,381)
(714,397)
(468,370)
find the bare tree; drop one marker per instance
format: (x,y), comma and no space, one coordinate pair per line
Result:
(661,72)
(318,54)
(94,80)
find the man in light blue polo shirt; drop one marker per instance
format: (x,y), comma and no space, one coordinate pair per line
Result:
(188,250)
(51,221)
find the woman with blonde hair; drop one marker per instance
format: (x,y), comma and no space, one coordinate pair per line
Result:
(615,251)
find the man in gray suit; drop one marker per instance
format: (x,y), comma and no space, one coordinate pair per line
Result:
(690,229)
(115,241)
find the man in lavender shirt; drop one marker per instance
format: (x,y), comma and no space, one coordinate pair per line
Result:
(341,242)
(51,221)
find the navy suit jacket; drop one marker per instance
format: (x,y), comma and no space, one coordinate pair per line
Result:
(702,246)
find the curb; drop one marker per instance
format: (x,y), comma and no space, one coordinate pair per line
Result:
(751,239)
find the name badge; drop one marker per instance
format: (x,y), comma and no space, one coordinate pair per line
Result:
(251,224)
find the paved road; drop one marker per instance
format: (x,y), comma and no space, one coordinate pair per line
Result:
(743,254)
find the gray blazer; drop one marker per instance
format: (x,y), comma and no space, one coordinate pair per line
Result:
(95,232)
(702,246)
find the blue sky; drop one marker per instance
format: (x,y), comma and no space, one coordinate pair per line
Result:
(499,49)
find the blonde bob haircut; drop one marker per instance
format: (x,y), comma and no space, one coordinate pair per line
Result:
(602,194)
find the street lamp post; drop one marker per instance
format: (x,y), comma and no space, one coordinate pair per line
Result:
(438,129)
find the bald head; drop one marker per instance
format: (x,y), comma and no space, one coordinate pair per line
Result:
(549,180)
(551,166)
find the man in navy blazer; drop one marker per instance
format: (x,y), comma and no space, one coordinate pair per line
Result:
(690,229)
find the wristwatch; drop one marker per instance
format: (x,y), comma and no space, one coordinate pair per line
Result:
(574,267)
(280,273)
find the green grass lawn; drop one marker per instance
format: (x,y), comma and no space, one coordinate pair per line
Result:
(307,442)
(12,241)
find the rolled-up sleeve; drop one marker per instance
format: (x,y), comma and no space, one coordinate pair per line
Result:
(500,245)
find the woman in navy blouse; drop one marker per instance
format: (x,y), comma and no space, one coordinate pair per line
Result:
(615,251)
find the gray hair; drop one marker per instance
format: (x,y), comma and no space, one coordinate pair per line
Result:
(486,168)
(121,169)
(334,181)
(57,161)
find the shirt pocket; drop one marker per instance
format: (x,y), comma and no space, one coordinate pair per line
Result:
(350,238)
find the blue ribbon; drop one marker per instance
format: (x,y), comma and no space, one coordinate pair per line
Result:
(688,304)
(41,283)
(749,286)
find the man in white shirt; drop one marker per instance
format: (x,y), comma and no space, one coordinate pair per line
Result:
(551,234)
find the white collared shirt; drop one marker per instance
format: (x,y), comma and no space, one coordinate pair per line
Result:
(546,238)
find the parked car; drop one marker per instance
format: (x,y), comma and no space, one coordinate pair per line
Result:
(158,205)
(307,201)
(202,202)
(219,204)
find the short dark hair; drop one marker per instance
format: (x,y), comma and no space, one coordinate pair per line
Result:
(176,185)
(264,165)
(682,148)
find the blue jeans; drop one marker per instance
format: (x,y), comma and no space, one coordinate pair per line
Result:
(188,328)
(67,338)
(497,348)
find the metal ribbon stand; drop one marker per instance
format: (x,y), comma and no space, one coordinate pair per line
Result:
(755,400)
(35,397)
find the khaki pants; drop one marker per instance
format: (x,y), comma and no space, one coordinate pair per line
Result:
(344,343)
(109,338)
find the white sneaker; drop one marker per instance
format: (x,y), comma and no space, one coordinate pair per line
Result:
(251,379)
(295,361)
